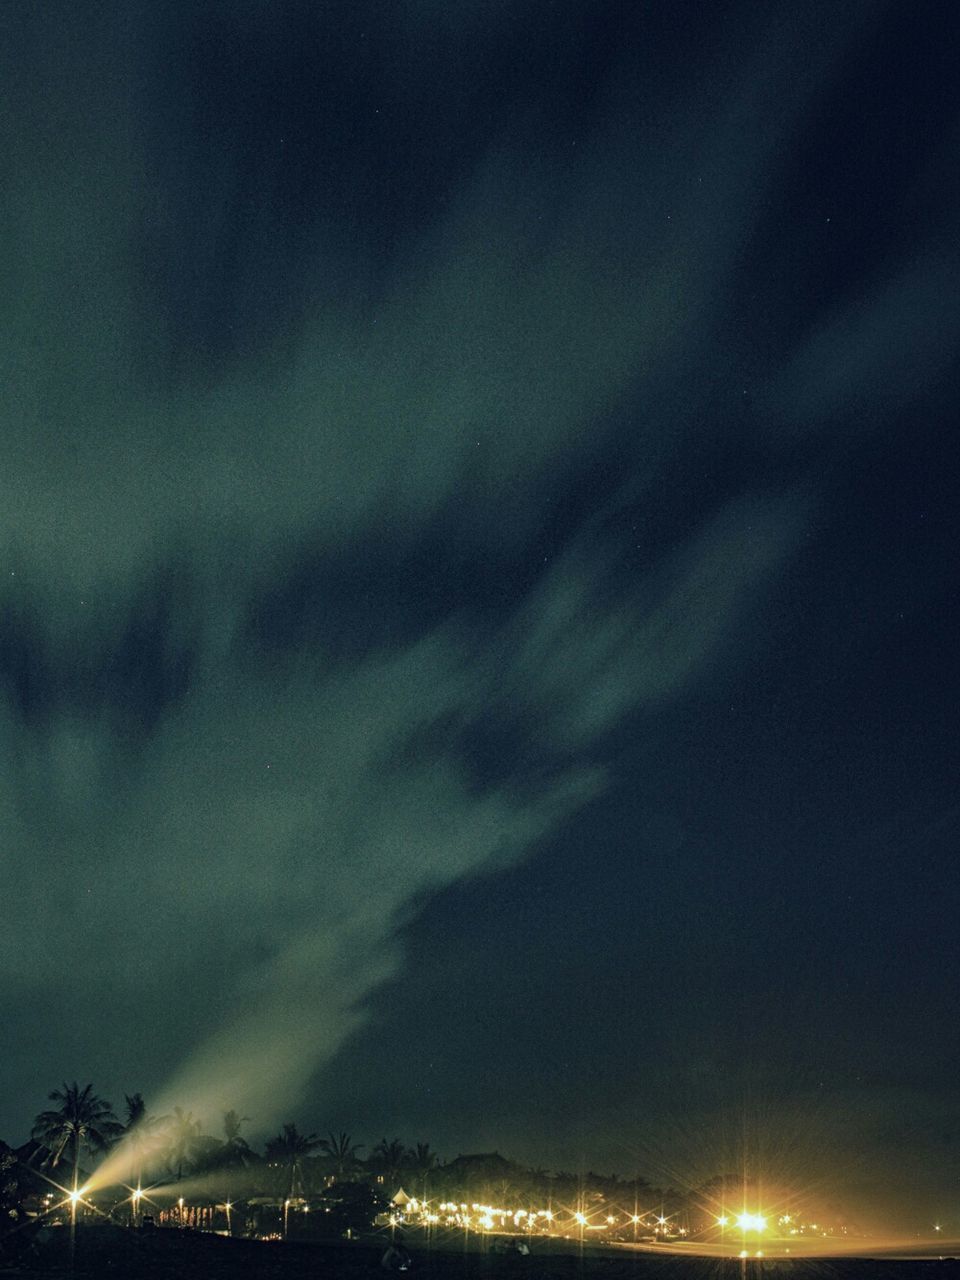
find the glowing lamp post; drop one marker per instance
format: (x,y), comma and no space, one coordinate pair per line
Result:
(74,1197)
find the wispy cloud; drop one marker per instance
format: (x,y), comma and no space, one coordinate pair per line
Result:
(220,840)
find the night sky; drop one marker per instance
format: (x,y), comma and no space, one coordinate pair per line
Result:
(478,577)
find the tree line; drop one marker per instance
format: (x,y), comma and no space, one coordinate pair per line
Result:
(81,1128)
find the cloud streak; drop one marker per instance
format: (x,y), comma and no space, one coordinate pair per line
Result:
(222,837)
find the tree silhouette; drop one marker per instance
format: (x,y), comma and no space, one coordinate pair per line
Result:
(134,1110)
(11,1194)
(342,1150)
(390,1159)
(236,1151)
(141,1133)
(422,1163)
(288,1150)
(81,1120)
(183,1134)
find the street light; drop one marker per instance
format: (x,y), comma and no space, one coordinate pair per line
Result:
(74,1198)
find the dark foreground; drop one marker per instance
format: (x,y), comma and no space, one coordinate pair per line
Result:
(111,1254)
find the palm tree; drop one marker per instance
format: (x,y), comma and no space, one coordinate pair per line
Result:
(140,1133)
(236,1150)
(134,1110)
(342,1150)
(422,1161)
(232,1122)
(390,1159)
(81,1120)
(145,1132)
(288,1150)
(182,1137)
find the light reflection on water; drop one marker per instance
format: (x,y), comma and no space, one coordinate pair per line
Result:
(873,1247)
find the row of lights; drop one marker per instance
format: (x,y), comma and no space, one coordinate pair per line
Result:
(745,1221)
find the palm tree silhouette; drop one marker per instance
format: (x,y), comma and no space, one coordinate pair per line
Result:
(342,1150)
(141,1134)
(81,1120)
(134,1110)
(288,1149)
(390,1158)
(184,1131)
(236,1150)
(423,1161)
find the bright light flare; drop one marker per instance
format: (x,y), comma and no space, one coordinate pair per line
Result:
(751,1221)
